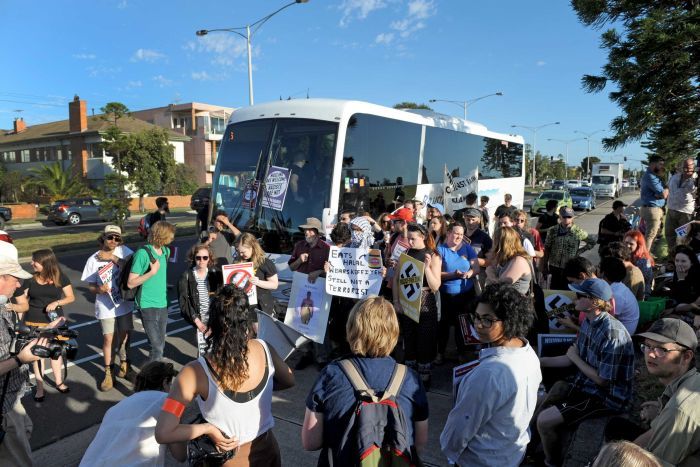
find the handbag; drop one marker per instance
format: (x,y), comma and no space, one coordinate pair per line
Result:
(202,452)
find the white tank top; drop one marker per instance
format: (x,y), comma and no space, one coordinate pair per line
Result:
(246,420)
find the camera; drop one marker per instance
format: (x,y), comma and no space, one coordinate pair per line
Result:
(61,341)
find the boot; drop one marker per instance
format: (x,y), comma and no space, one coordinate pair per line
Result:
(107,383)
(124,368)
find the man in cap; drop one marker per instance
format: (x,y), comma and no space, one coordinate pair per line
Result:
(478,238)
(669,352)
(434,210)
(612,227)
(603,355)
(14,448)
(561,245)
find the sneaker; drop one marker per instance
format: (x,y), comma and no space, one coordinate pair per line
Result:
(124,368)
(107,383)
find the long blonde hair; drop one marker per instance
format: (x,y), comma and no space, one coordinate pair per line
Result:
(257,257)
(508,245)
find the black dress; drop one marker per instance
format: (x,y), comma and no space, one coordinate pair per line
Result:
(41,295)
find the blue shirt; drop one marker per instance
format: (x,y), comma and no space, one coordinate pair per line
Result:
(489,424)
(652,186)
(453,261)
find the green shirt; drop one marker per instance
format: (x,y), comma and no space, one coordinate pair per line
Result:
(562,247)
(154,292)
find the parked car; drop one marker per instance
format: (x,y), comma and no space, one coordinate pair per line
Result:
(5,216)
(583,198)
(199,198)
(539,205)
(73,211)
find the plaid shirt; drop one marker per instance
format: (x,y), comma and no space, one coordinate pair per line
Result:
(605,344)
(18,377)
(562,245)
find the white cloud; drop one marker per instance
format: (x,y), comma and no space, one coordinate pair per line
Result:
(162,81)
(84,56)
(540,63)
(206,76)
(147,55)
(225,48)
(417,11)
(384,38)
(358,9)
(95,71)
(134,84)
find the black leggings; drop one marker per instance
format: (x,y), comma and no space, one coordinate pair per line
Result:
(451,307)
(420,339)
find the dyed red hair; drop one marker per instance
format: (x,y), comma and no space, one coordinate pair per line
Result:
(642,251)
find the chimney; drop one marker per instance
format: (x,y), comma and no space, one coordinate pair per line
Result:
(77,115)
(20,126)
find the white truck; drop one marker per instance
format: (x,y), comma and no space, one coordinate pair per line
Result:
(607,179)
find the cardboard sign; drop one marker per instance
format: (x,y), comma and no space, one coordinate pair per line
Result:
(278,335)
(682,231)
(457,188)
(410,284)
(276,185)
(308,307)
(553,345)
(354,272)
(240,275)
(469,334)
(459,373)
(106,275)
(557,299)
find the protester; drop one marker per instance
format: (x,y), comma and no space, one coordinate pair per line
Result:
(361,233)
(547,219)
(612,270)
(346,216)
(398,241)
(578,270)
(335,343)
(526,240)
(459,266)
(641,257)
(40,301)
(562,244)
(420,213)
(162,209)
(114,314)
(511,264)
(485,216)
(488,425)
(682,192)
(625,454)
(150,275)
(265,279)
(521,221)
(372,333)
(197,284)
(685,286)
(438,229)
(382,229)
(506,207)
(126,435)
(692,239)
(653,196)
(221,241)
(634,279)
(16,425)
(614,226)
(420,339)
(604,357)
(202,220)
(434,210)
(479,239)
(232,385)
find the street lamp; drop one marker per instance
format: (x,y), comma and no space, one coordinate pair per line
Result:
(465,104)
(566,151)
(587,137)
(534,130)
(248,36)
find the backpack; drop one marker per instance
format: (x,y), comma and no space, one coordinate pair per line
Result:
(144,225)
(377,432)
(129,295)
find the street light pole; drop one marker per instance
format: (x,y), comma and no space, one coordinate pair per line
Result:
(465,104)
(566,149)
(587,137)
(534,130)
(248,36)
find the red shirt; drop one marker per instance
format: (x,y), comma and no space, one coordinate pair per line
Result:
(318,255)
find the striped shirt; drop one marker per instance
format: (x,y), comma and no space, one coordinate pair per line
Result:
(203,292)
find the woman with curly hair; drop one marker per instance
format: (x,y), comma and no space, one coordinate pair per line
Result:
(232,384)
(641,257)
(511,263)
(495,402)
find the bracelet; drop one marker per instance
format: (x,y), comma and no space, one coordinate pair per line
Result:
(18,361)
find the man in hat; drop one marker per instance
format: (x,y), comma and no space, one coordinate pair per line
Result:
(603,355)
(612,227)
(478,238)
(561,245)
(14,448)
(669,352)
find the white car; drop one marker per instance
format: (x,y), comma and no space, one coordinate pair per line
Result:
(625,183)
(573,183)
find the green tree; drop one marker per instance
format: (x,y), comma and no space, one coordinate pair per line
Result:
(654,65)
(584,164)
(113,111)
(147,158)
(55,182)
(184,181)
(412,105)
(114,199)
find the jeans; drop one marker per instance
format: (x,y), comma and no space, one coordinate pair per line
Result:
(154,322)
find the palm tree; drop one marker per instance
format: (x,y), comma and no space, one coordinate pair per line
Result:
(56,182)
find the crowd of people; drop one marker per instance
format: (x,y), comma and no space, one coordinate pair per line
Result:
(484,277)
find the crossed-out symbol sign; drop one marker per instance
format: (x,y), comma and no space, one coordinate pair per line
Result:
(240,279)
(555,301)
(408,281)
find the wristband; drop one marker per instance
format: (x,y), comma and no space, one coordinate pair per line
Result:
(174,407)
(18,361)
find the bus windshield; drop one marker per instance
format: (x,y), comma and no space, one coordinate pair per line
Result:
(272,174)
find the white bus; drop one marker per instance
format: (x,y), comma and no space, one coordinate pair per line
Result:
(333,155)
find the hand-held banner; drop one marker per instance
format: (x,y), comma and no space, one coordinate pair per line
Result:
(240,275)
(354,272)
(410,283)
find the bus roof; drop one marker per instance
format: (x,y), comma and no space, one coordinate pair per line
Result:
(339,110)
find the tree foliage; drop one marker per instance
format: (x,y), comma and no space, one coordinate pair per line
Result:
(584,163)
(55,182)
(412,105)
(113,111)
(654,65)
(184,181)
(114,199)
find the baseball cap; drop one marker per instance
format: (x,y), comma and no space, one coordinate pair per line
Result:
(668,330)
(618,204)
(112,229)
(566,212)
(403,214)
(437,206)
(472,212)
(596,288)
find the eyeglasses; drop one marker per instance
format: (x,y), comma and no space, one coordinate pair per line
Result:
(115,238)
(658,351)
(201,258)
(485,322)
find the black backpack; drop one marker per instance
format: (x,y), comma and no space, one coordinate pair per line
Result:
(129,295)
(377,432)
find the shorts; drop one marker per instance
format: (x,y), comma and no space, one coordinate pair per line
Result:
(123,323)
(579,406)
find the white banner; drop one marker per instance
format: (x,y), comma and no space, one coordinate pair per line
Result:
(308,307)
(354,272)
(457,188)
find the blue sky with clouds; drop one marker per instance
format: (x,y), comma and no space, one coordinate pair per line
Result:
(145,54)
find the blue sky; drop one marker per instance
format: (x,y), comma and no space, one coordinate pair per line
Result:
(145,54)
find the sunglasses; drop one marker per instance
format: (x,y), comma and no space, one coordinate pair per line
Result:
(201,258)
(116,238)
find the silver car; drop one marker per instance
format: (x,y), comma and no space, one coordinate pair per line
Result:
(73,211)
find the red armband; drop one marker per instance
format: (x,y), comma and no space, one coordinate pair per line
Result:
(174,407)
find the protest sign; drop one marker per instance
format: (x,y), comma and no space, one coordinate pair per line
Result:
(553,345)
(557,299)
(458,187)
(250,195)
(106,274)
(278,335)
(469,334)
(308,307)
(682,231)
(410,281)
(275,190)
(354,272)
(459,373)
(240,275)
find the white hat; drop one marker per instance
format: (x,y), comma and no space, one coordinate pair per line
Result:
(9,263)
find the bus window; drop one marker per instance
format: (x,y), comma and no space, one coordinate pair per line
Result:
(459,151)
(380,164)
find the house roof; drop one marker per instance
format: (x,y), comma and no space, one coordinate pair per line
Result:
(60,129)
